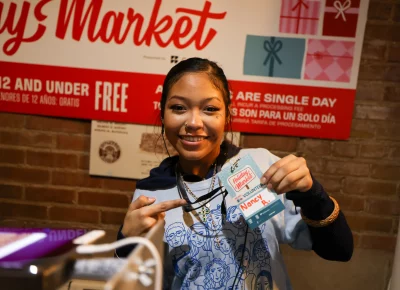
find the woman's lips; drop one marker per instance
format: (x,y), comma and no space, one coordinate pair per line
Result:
(192,140)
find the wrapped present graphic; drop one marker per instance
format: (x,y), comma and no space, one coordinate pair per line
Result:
(329,60)
(299,16)
(341,17)
(273,56)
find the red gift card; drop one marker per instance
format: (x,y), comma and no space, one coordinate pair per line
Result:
(341,17)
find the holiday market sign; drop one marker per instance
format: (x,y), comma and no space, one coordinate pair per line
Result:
(292,64)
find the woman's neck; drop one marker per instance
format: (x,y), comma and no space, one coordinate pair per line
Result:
(198,167)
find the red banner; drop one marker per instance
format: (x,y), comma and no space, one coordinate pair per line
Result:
(134,98)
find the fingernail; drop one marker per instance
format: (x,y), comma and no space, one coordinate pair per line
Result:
(183,202)
(151,199)
(269,186)
(263,180)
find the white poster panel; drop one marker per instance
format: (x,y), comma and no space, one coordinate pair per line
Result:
(128,150)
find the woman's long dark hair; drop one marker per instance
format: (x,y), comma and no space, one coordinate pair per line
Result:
(197,65)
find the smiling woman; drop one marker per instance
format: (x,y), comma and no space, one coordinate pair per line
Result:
(186,190)
(194,121)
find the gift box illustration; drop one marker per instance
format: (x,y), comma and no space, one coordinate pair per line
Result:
(273,56)
(300,16)
(341,17)
(329,60)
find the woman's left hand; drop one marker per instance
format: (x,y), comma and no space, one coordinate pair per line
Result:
(287,174)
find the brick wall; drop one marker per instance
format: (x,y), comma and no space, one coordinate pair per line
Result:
(44,161)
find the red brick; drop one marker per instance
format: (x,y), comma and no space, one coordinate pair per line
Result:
(345,149)
(58,125)
(46,194)
(13,156)
(280,143)
(73,142)
(369,223)
(74,214)
(393,72)
(22,210)
(120,184)
(315,164)
(395,153)
(386,172)
(396,14)
(330,183)
(376,242)
(375,112)
(12,120)
(84,161)
(383,207)
(394,33)
(25,138)
(379,11)
(11,191)
(394,52)
(347,168)
(372,72)
(363,129)
(52,159)
(25,175)
(388,132)
(392,93)
(75,179)
(112,217)
(315,147)
(360,186)
(379,31)
(103,199)
(356,239)
(374,151)
(395,226)
(350,203)
(369,90)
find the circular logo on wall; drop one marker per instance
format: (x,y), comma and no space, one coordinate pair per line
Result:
(109,151)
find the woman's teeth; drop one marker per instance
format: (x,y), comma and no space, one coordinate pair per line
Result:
(192,139)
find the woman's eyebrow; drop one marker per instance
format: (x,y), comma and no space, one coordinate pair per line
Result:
(181,98)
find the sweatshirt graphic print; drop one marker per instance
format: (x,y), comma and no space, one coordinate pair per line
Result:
(209,251)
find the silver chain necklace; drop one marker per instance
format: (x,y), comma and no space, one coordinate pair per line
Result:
(205,209)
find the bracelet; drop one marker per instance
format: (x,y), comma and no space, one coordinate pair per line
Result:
(323,223)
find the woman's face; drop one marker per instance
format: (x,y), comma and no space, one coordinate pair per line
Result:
(262,252)
(263,283)
(195,101)
(194,272)
(197,237)
(217,273)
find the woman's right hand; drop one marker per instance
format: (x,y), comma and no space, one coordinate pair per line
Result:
(142,214)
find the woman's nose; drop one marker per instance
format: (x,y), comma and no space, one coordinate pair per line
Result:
(195,121)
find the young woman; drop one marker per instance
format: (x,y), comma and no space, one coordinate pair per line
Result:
(194,114)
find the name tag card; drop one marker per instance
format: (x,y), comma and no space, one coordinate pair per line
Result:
(256,202)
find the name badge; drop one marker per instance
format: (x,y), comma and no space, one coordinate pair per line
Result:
(256,202)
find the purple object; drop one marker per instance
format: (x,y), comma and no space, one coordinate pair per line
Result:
(56,242)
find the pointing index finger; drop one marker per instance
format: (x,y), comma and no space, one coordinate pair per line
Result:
(164,206)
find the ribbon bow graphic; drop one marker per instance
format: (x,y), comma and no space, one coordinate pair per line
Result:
(299,4)
(341,8)
(272,48)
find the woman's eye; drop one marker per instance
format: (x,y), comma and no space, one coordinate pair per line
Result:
(212,109)
(177,108)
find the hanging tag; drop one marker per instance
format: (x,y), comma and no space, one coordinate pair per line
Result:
(256,202)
